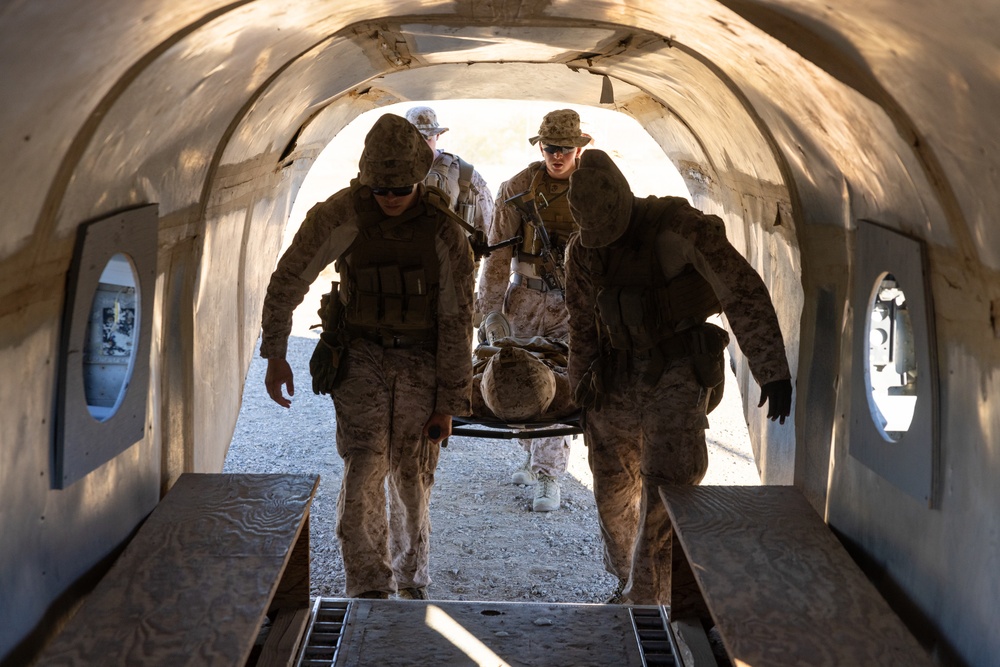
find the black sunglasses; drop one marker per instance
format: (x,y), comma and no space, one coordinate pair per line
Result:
(395,192)
(553,150)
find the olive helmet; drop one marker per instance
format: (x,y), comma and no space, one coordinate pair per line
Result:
(517,386)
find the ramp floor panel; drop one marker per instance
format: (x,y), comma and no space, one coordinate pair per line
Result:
(400,633)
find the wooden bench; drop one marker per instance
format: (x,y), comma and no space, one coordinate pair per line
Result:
(217,555)
(778,585)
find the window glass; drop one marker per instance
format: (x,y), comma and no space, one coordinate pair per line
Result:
(111,338)
(892,367)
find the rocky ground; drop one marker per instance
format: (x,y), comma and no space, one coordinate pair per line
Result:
(486,544)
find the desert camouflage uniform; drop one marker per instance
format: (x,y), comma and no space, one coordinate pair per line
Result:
(530,312)
(383,402)
(445,175)
(647,435)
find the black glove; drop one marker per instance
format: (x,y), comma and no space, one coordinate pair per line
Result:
(778,396)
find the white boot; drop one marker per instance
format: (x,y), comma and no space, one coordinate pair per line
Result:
(524,474)
(546,495)
(495,326)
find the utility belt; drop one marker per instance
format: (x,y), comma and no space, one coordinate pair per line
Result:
(704,344)
(673,347)
(390,340)
(521,280)
(534,268)
(655,358)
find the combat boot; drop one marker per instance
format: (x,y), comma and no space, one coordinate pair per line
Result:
(418,593)
(618,597)
(495,326)
(373,595)
(524,475)
(546,494)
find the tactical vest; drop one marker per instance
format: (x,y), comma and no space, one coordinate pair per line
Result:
(638,306)
(392,273)
(453,176)
(552,205)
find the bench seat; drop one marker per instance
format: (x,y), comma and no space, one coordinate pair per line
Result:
(193,586)
(778,585)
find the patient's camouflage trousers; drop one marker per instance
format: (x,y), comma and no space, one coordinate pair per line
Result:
(534,313)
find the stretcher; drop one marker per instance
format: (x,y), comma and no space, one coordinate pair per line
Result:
(561,417)
(477,427)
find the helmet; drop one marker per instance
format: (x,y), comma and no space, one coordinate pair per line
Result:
(516,385)
(395,154)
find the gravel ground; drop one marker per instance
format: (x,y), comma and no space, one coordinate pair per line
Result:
(487,544)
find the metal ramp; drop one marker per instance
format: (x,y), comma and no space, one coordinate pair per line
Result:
(398,633)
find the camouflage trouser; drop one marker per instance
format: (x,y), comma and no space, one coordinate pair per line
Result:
(549,456)
(382,405)
(645,436)
(534,313)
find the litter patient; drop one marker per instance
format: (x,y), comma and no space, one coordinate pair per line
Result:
(519,380)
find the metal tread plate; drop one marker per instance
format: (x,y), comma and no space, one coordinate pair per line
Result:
(352,632)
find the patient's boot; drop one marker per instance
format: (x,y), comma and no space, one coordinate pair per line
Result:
(494,327)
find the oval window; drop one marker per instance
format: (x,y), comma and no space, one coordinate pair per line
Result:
(892,366)
(111,338)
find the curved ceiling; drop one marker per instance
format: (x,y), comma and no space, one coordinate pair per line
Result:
(791,119)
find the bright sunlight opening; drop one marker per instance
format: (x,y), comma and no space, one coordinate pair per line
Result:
(492,135)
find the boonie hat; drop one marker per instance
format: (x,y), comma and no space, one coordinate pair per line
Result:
(425,120)
(395,154)
(600,199)
(561,128)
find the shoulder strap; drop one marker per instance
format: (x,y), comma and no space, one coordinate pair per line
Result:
(465,170)
(439,201)
(536,179)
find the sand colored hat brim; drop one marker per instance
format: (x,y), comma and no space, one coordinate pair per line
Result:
(425,120)
(576,142)
(395,154)
(600,199)
(561,128)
